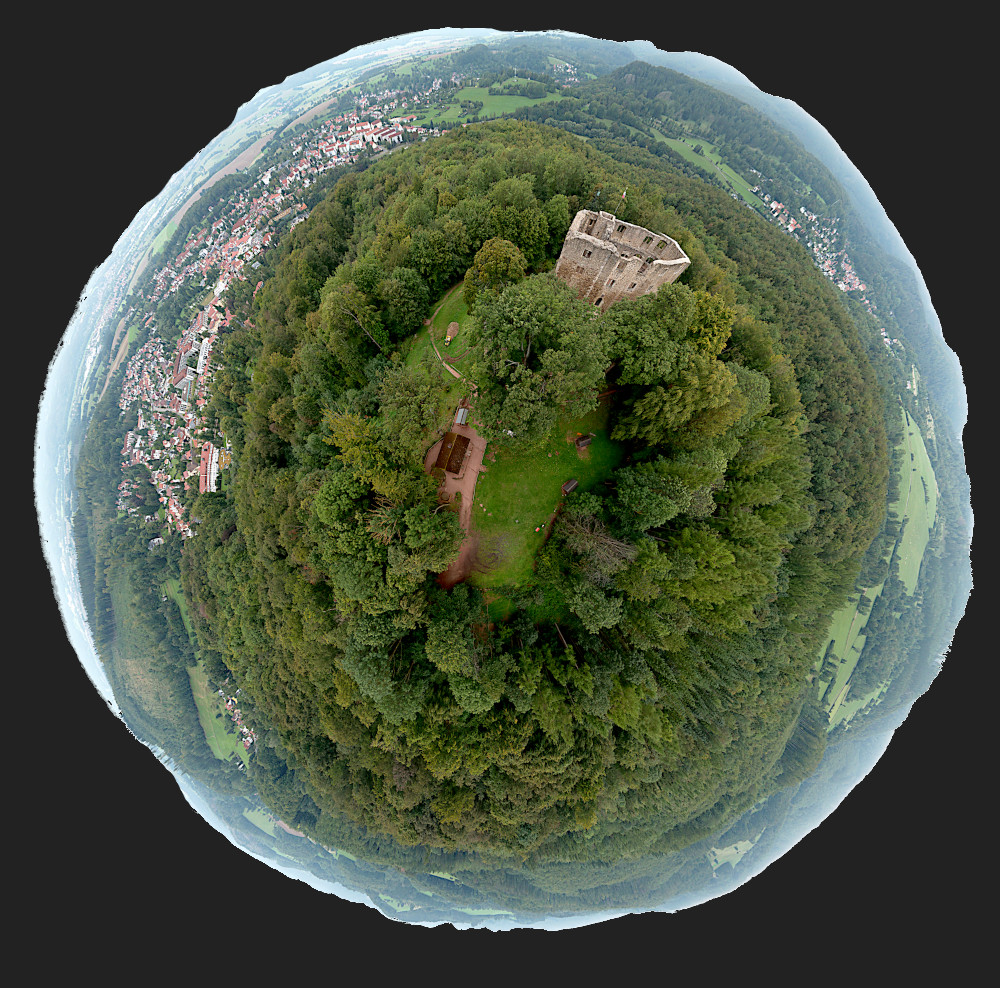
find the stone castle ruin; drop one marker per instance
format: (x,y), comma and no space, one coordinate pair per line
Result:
(605,259)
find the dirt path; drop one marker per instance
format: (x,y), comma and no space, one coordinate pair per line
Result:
(463,484)
(444,363)
(429,323)
(460,569)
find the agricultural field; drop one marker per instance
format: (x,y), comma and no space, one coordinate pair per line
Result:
(710,161)
(718,856)
(916,506)
(917,503)
(261,820)
(493,106)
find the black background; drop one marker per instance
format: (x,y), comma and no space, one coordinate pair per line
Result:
(113,864)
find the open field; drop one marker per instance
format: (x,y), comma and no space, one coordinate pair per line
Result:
(849,706)
(721,855)
(119,357)
(164,236)
(710,162)
(492,106)
(916,506)
(419,352)
(917,503)
(172,588)
(711,154)
(847,634)
(403,69)
(520,491)
(260,820)
(223,744)
(400,907)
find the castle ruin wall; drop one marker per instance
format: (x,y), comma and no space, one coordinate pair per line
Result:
(605,259)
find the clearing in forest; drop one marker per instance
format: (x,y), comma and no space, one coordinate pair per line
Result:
(521,491)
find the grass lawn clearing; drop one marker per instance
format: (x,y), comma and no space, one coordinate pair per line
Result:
(451,308)
(521,490)
(418,352)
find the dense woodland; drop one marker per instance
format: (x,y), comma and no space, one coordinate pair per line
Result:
(631,107)
(649,688)
(685,602)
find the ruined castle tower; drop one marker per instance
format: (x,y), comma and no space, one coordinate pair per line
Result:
(605,259)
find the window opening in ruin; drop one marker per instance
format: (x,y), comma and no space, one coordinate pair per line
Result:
(647,240)
(661,245)
(599,301)
(630,287)
(610,282)
(587,253)
(621,227)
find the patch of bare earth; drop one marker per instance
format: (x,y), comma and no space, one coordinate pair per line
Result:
(582,452)
(460,569)
(493,551)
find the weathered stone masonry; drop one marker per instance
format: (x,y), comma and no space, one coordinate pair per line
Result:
(605,259)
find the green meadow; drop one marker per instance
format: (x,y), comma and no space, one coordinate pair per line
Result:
(223,743)
(418,352)
(260,819)
(163,237)
(916,506)
(493,106)
(718,856)
(711,162)
(917,503)
(521,492)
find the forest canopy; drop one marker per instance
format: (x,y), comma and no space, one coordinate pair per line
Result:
(644,687)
